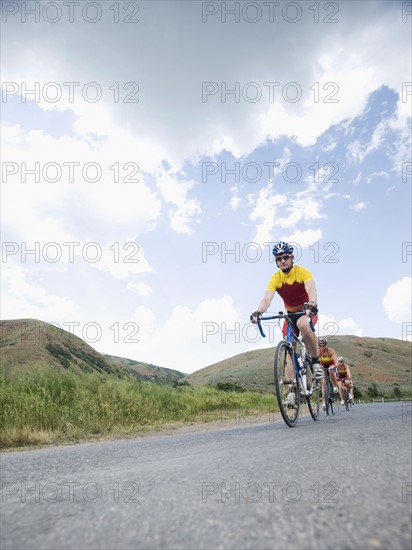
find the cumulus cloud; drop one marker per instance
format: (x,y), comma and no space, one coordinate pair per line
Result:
(189,122)
(176,341)
(398,300)
(264,213)
(24,297)
(330,325)
(74,179)
(122,260)
(304,238)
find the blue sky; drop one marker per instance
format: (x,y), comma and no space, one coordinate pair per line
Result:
(187,143)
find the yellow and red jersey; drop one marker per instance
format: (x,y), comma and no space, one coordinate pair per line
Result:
(326,357)
(291,286)
(343,371)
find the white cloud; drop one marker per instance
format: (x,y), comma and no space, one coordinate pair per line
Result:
(357,151)
(357,179)
(304,238)
(141,288)
(185,325)
(175,343)
(300,209)
(118,196)
(187,123)
(397,301)
(122,260)
(23,298)
(381,174)
(175,192)
(330,147)
(401,124)
(235,200)
(359,206)
(328,325)
(264,213)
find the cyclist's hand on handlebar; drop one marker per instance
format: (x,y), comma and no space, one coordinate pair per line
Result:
(255,316)
(312,307)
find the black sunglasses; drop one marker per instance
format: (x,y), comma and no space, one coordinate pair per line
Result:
(285,257)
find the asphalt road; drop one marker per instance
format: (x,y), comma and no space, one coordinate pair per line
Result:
(342,483)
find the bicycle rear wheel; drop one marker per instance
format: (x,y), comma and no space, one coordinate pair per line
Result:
(285,382)
(313,399)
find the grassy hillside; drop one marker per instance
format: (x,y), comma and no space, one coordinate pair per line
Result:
(146,371)
(384,361)
(29,343)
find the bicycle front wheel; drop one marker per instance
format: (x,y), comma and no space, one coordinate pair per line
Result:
(331,396)
(286,384)
(327,395)
(313,398)
(345,396)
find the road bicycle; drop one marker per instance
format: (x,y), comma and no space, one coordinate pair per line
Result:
(293,372)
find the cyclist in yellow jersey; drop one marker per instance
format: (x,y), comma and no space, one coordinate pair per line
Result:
(328,359)
(296,286)
(344,377)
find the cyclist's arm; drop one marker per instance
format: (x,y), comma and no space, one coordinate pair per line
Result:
(348,372)
(334,357)
(310,287)
(266,301)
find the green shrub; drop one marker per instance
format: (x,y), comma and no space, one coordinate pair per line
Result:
(357,394)
(229,386)
(60,354)
(373,390)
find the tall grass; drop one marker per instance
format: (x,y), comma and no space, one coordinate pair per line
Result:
(54,406)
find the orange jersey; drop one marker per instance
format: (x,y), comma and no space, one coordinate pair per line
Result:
(291,286)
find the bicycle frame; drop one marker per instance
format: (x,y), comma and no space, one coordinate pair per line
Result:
(292,340)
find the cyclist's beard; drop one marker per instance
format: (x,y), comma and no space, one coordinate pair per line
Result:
(287,270)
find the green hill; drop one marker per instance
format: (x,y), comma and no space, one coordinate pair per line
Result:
(29,343)
(146,371)
(384,361)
